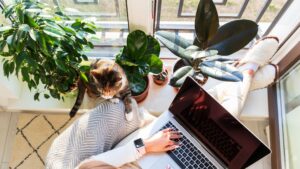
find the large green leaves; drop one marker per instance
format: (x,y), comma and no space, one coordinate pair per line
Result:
(233,36)
(139,58)
(53,30)
(178,49)
(153,46)
(137,43)
(137,83)
(173,37)
(221,71)
(180,75)
(42,49)
(206,22)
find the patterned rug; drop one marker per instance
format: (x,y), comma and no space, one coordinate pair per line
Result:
(35,133)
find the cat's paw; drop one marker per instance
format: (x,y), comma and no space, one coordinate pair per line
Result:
(129,116)
(114,100)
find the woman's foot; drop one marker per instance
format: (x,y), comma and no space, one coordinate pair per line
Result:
(261,52)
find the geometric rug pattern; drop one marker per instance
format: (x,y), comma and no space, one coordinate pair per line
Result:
(34,136)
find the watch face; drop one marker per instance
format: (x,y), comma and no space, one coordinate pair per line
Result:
(138,143)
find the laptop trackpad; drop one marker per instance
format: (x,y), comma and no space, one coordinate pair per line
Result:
(165,163)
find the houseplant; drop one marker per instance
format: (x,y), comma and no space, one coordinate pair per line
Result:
(138,58)
(201,59)
(43,50)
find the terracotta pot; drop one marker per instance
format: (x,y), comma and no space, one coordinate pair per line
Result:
(161,78)
(180,63)
(142,96)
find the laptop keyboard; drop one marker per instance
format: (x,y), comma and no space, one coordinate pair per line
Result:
(187,156)
(217,137)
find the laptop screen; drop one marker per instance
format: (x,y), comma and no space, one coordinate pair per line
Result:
(215,127)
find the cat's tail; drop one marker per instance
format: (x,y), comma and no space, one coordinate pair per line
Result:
(79,99)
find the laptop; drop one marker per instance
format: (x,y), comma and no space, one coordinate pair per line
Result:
(212,137)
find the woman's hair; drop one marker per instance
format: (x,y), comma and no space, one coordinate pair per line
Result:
(94,164)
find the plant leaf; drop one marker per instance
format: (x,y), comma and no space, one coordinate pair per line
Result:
(8,10)
(155,64)
(219,74)
(137,83)
(84,77)
(19,59)
(173,37)
(233,36)
(206,22)
(30,21)
(53,32)
(6,68)
(137,43)
(61,65)
(69,30)
(176,49)
(36,96)
(153,46)
(180,75)
(46,96)
(5,28)
(224,67)
(32,34)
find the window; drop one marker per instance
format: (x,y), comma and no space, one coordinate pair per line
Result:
(110,15)
(3,20)
(179,15)
(289,111)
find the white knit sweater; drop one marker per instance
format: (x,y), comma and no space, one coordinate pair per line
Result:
(92,134)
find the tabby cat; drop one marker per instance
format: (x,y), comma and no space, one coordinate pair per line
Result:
(107,80)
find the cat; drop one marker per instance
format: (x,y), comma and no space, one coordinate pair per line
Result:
(107,80)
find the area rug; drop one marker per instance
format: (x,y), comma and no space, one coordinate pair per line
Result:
(35,133)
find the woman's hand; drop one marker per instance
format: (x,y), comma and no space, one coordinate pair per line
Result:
(162,141)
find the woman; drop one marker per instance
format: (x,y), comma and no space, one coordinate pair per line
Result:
(87,146)
(121,157)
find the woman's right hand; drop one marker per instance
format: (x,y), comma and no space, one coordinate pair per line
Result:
(162,141)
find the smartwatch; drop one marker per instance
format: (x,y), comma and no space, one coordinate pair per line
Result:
(140,146)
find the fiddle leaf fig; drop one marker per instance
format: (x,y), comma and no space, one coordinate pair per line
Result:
(139,58)
(137,43)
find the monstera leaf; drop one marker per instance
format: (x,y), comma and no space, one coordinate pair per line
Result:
(233,36)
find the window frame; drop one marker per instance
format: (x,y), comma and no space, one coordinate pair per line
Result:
(275,116)
(281,12)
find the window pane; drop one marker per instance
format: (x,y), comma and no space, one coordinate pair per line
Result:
(290,112)
(180,14)
(110,15)
(3,20)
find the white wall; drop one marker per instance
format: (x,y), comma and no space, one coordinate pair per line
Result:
(140,15)
(9,87)
(288,21)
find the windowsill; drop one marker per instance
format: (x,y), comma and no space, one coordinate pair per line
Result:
(157,101)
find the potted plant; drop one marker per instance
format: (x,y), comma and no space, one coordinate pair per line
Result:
(139,58)
(201,59)
(43,50)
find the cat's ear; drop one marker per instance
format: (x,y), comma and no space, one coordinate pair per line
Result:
(94,72)
(118,78)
